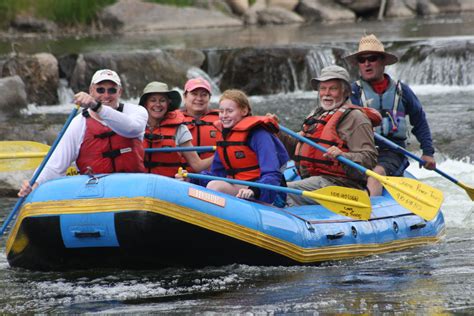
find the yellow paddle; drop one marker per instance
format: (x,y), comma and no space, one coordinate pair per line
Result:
(24,155)
(21,155)
(344,201)
(419,198)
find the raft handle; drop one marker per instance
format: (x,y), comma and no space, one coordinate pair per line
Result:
(354,231)
(418,226)
(335,236)
(92,234)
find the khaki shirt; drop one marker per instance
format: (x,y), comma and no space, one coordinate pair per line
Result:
(356,130)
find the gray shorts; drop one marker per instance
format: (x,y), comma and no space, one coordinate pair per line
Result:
(393,162)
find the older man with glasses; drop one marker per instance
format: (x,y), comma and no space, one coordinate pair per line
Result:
(394,100)
(106,138)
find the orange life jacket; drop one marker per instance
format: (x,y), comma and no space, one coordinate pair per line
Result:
(203,130)
(323,130)
(239,160)
(166,164)
(104,151)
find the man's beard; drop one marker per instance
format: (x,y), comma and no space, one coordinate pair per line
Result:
(334,105)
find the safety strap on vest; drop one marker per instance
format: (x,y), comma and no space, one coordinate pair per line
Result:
(153,164)
(198,123)
(151,136)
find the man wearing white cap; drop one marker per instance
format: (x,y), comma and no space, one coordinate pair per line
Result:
(394,100)
(342,128)
(106,138)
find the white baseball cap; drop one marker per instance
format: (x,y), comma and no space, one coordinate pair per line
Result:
(105,74)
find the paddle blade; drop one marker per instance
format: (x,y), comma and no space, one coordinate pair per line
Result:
(416,196)
(348,202)
(10,148)
(469,190)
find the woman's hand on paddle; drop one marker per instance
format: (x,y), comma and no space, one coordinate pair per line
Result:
(245,194)
(26,188)
(333,152)
(430,162)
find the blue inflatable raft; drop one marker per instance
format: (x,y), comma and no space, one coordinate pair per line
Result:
(148,221)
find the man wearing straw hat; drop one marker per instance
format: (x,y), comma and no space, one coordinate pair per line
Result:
(394,100)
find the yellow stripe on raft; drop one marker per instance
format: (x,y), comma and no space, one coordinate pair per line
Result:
(299,254)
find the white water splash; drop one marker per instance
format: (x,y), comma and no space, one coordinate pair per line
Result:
(458,208)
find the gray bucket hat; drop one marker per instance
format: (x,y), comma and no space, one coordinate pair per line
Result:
(160,87)
(329,73)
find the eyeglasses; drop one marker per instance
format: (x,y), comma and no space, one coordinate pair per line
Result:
(370,58)
(101,90)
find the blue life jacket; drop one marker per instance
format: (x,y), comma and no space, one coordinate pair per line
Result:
(390,105)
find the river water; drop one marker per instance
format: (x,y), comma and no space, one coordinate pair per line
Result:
(426,280)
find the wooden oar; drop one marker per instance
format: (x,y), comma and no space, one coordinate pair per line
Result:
(40,168)
(344,201)
(419,198)
(13,155)
(469,190)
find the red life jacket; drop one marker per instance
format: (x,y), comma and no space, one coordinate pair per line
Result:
(104,151)
(239,160)
(166,164)
(203,130)
(323,130)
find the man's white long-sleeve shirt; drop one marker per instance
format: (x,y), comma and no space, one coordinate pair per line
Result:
(130,123)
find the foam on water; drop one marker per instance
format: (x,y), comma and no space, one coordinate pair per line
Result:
(458,208)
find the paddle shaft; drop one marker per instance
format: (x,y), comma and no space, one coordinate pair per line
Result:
(411,155)
(20,155)
(247,183)
(180,149)
(39,170)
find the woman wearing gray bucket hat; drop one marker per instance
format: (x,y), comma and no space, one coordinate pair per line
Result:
(394,100)
(165,128)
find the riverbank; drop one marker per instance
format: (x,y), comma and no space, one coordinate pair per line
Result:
(86,18)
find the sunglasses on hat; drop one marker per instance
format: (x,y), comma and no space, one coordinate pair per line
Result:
(370,58)
(101,90)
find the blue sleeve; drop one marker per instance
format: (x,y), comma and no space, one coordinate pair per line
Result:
(272,156)
(418,120)
(355,95)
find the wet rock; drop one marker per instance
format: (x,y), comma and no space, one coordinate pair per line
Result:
(286,4)
(422,7)
(192,57)
(264,71)
(39,72)
(398,9)
(33,25)
(238,7)
(217,5)
(362,7)
(140,16)
(12,90)
(320,10)
(67,64)
(277,15)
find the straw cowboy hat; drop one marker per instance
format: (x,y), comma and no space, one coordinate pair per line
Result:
(160,87)
(370,44)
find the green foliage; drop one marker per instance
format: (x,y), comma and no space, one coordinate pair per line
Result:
(66,12)
(178,3)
